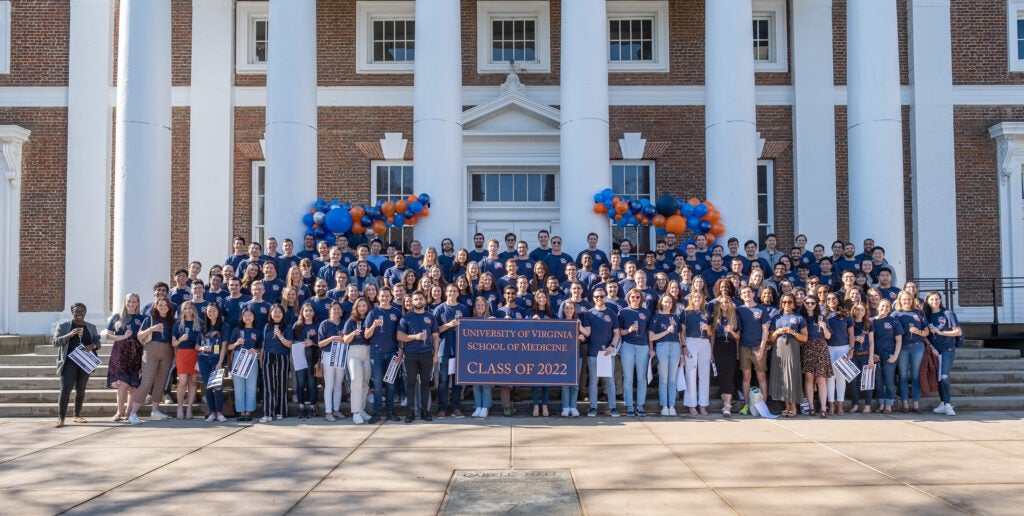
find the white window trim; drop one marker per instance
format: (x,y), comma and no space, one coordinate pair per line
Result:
(369,12)
(770,180)
(633,9)
(1013,7)
(246,14)
(491,9)
(512,170)
(5,37)
(256,165)
(654,193)
(384,163)
(776,10)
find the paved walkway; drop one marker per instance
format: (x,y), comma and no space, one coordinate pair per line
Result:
(973,463)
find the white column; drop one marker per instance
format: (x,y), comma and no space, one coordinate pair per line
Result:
(931,139)
(437,121)
(1009,138)
(291,130)
(584,167)
(12,137)
(90,64)
(875,129)
(142,161)
(731,117)
(814,123)
(211,154)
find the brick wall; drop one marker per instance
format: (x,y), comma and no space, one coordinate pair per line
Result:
(43,206)
(180,152)
(39,43)
(979,43)
(249,123)
(839,40)
(680,171)
(776,124)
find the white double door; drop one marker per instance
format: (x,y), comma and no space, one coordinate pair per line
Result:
(524,229)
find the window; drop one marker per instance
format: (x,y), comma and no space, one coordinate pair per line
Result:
(513,31)
(637,36)
(765,200)
(252,32)
(5,37)
(385,37)
(1015,34)
(770,43)
(392,180)
(634,180)
(259,194)
(508,186)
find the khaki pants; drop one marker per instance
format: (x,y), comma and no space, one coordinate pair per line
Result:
(157,358)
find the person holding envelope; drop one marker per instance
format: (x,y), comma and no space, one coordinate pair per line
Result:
(66,338)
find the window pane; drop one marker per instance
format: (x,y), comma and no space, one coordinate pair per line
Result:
(505,188)
(382,182)
(400,30)
(762,179)
(261,30)
(410,30)
(644,180)
(477,188)
(520,194)
(378,30)
(395,185)
(407,181)
(762,209)
(549,188)
(492,187)
(647,51)
(533,189)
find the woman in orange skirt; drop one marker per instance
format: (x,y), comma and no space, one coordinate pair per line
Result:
(187,333)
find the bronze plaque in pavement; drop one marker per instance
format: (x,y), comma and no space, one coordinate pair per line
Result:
(530,491)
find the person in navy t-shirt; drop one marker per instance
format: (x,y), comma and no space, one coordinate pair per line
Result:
(418,337)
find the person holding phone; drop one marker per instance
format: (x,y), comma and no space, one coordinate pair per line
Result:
(157,356)
(68,336)
(814,357)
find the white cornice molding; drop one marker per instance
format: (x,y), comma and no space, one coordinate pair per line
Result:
(1009,138)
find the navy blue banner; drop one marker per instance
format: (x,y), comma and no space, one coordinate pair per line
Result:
(541,352)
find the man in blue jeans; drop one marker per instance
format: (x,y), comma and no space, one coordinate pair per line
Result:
(600,322)
(418,341)
(382,331)
(449,395)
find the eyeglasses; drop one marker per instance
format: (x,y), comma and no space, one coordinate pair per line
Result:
(556,242)
(810,303)
(599,297)
(786,302)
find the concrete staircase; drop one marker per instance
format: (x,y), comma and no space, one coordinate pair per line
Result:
(983,379)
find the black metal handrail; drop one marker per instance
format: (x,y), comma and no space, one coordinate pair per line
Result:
(953,288)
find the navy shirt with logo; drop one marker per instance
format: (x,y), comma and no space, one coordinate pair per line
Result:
(693,319)
(911,319)
(886,330)
(629,316)
(385,338)
(414,323)
(752,320)
(190,328)
(840,328)
(602,324)
(661,322)
(445,314)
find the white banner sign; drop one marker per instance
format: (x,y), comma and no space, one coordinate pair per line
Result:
(85,359)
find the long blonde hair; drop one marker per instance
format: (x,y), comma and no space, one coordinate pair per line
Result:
(725,311)
(122,318)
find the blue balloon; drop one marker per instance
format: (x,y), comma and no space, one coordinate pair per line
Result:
(318,218)
(666,205)
(424,198)
(607,193)
(622,222)
(650,211)
(415,207)
(700,210)
(608,204)
(334,204)
(319,232)
(660,232)
(687,210)
(693,223)
(409,215)
(611,214)
(320,205)
(338,221)
(374,212)
(310,232)
(399,222)
(330,239)
(705,226)
(366,221)
(598,197)
(307,219)
(635,207)
(645,202)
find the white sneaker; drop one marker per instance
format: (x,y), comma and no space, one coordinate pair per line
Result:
(672,411)
(565,412)
(134,419)
(221,418)
(941,409)
(949,410)
(405,401)
(210,418)
(664,411)
(266,419)
(357,419)
(158,416)
(484,411)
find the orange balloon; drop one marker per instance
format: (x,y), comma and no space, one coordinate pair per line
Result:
(711,238)
(711,207)
(675,224)
(313,211)
(717,229)
(424,212)
(411,222)
(659,221)
(391,219)
(387,208)
(618,217)
(358,228)
(412,198)
(615,200)
(400,206)
(693,201)
(713,216)
(356,212)
(379,227)
(600,208)
(621,208)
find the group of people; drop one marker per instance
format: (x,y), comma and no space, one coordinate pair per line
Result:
(334,316)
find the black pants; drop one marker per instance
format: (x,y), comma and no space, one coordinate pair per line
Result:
(726,362)
(72,377)
(419,364)
(275,385)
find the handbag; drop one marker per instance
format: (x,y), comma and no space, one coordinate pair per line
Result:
(318,370)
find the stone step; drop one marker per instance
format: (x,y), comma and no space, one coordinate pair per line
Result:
(974,343)
(9,371)
(987,354)
(50,382)
(963,377)
(988,389)
(36,360)
(95,395)
(988,365)
(987,403)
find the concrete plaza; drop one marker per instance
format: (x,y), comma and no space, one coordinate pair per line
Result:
(972,463)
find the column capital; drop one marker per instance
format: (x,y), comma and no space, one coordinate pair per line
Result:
(1009,137)
(12,137)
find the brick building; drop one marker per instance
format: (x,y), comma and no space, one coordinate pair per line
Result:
(140,134)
